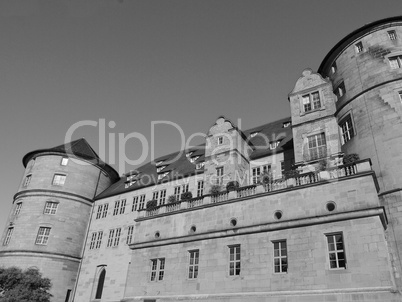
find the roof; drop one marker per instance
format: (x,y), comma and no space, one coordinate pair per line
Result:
(179,166)
(356,34)
(79,148)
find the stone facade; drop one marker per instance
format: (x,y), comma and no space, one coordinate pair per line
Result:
(303,226)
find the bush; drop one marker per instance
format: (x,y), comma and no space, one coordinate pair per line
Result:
(186,196)
(350,158)
(232,186)
(266,178)
(322,165)
(172,199)
(291,173)
(215,189)
(152,204)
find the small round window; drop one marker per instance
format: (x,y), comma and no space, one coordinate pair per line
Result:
(278,215)
(331,206)
(233,222)
(193,229)
(157,234)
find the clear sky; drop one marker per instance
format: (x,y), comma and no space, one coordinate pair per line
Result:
(138,61)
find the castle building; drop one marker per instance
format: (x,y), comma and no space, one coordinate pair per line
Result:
(280,212)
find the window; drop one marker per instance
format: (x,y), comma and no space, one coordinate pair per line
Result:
(93,241)
(114,237)
(177,193)
(252,134)
(105,208)
(99,212)
(340,90)
(317,146)
(400,95)
(185,188)
(155,195)
(200,165)
(159,162)
(336,251)
(59,179)
(280,257)
(43,236)
(159,169)
(286,124)
(333,68)
(346,126)
(311,101)
(274,145)
(219,175)
(27,180)
(142,202)
(162,197)
(234,260)
(282,167)
(395,62)
(8,236)
(130,232)
(160,176)
(129,184)
(194,158)
(257,171)
(193,266)
(101,281)
(392,34)
(359,47)
(119,207)
(18,208)
(68,295)
(64,161)
(135,203)
(200,188)
(220,140)
(157,269)
(99,240)
(50,207)
(188,154)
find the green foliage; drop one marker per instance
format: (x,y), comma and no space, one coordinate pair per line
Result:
(232,186)
(322,165)
(17,285)
(350,158)
(172,199)
(215,189)
(186,196)
(291,173)
(266,178)
(152,204)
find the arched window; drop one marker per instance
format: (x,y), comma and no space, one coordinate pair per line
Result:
(101,281)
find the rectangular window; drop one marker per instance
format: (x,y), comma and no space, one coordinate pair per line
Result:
(142,202)
(400,95)
(333,68)
(220,140)
(18,208)
(257,171)
(282,167)
(274,145)
(43,236)
(317,146)
(117,237)
(135,204)
(155,195)
(193,266)
(110,239)
(130,232)
(162,197)
(105,208)
(8,236)
(280,257)
(219,175)
(122,206)
(157,269)
(27,180)
(114,237)
(395,62)
(177,193)
(359,47)
(234,260)
(200,188)
(93,241)
(116,207)
(199,165)
(99,240)
(185,188)
(340,90)
(59,179)
(392,34)
(64,161)
(311,101)
(50,208)
(347,129)
(336,251)
(99,212)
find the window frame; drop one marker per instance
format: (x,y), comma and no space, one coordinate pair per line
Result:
(176,193)
(233,272)
(359,47)
(162,197)
(59,179)
(395,58)
(64,161)
(9,234)
(27,180)
(157,269)
(141,204)
(283,268)
(43,239)
(193,264)
(312,104)
(336,251)
(348,132)
(18,206)
(220,140)
(200,188)
(130,232)
(50,208)
(319,149)
(219,175)
(392,35)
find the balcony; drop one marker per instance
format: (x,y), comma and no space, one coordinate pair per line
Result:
(302,180)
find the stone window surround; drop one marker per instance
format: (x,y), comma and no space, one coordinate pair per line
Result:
(341,120)
(391,55)
(310,91)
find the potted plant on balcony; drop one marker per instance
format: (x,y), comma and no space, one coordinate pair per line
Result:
(350,158)
(172,199)
(232,186)
(290,177)
(186,196)
(152,204)
(322,169)
(215,189)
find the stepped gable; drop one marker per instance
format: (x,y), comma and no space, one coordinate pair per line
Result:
(79,148)
(179,166)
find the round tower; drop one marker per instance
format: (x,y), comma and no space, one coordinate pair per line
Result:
(365,68)
(48,222)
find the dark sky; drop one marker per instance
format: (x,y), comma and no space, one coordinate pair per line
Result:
(132,62)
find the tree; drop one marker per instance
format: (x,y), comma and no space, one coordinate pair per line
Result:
(17,285)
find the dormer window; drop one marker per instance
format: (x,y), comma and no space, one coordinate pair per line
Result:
(274,145)
(188,154)
(220,140)
(160,176)
(252,134)
(359,47)
(159,162)
(193,159)
(159,169)
(64,161)
(129,184)
(200,165)
(130,177)
(334,68)
(311,101)
(286,124)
